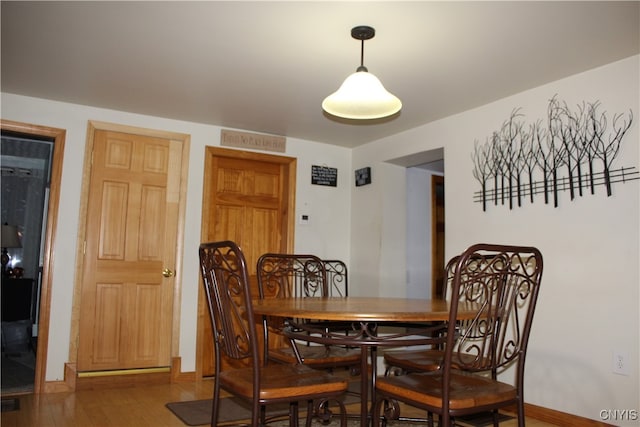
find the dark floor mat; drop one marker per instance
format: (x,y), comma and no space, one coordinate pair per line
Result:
(16,376)
(10,404)
(198,412)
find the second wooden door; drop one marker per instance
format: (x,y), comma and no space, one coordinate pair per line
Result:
(248,198)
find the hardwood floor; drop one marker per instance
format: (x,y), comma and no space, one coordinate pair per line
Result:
(119,407)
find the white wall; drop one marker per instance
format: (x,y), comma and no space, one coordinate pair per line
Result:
(328,207)
(589,302)
(418,233)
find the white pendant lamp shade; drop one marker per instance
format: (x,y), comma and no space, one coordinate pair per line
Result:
(361,96)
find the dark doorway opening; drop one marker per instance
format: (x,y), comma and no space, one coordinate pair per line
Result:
(25,161)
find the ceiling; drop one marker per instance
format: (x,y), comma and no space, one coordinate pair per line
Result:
(266,66)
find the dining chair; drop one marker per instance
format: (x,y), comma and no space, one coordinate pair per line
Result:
(337,278)
(506,281)
(228,294)
(298,275)
(430,359)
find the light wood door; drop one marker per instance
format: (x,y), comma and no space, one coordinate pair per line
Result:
(126,307)
(249,199)
(437,233)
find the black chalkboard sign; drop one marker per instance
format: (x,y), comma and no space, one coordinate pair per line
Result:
(322,175)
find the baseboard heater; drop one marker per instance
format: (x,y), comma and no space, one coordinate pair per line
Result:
(116,372)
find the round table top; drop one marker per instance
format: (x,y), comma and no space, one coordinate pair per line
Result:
(369,309)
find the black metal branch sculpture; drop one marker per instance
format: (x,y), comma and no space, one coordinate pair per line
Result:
(482,170)
(577,151)
(571,141)
(607,151)
(529,155)
(543,158)
(563,121)
(509,135)
(594,129)
(496,165)
(555,146)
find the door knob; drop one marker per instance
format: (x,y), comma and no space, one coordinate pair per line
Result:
(167,272)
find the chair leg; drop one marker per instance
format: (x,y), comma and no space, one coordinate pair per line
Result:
(293,414)
(214,412)
(343,414)
(263,415)
(310,412)
(375,413)
(322,411)
(215,405)
(521,412)
(430,419)
(390,411)
(445,420)
(256,414)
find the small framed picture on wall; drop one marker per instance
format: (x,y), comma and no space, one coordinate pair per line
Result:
(363,176)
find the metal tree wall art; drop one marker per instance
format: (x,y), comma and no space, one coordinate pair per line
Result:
(573,151)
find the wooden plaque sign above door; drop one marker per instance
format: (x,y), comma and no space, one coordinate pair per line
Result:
(253,141)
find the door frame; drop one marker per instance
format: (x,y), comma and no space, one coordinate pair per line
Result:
(288,222)
(58,136)
(185,139)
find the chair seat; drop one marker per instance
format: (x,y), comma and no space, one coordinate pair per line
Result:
(428,360)
(467,391)
(318,356)
(282,382)
(414,360)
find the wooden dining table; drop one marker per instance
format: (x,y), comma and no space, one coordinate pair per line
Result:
(367,314)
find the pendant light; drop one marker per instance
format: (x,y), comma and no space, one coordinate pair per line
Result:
(362,96)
